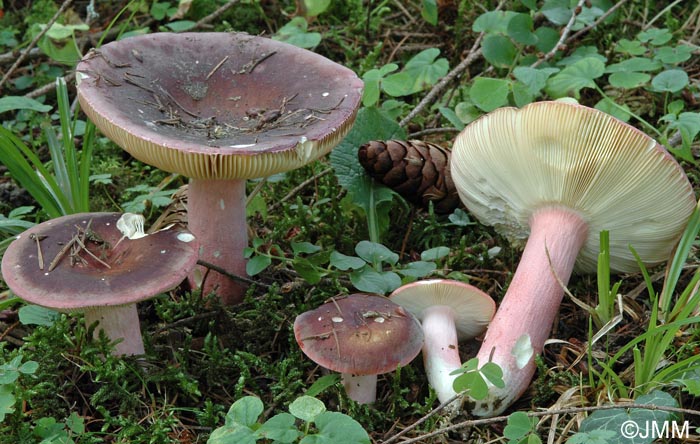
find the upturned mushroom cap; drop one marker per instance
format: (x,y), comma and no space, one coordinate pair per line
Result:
(473,309)
(138,269)
(218,105)
(360,334)
(512,162)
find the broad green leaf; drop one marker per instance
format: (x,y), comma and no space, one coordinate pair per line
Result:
(344,262)
(614,419)
(281,429)
(13,103)
(631,47)
(634,64)
(655,36)
(467,112)
(671,80)
(304,247)
(337,428)
(421,72)
(581,53)
(257,264)
(499,50)
(572,79)
(418,269)
(371,281)
(688,124)
(673,55)
(629,80)
(546,38)
(7,401)
(316,7)
(460,218)
(58,31)
(621,112)
(493,22)
(245,411)
(233,435)
(75,423)
(518,425)
(375,253)
(592,437)
(181,25)
(306,408)
(534,78)
(521,94)
(452,117)
(434,254)
(370,124)
(493,373)
(489,93)
(37,315)
(322,384)
(557,11)
(520,29)
(372,80)
(295,33)
(429,12)
(307,270)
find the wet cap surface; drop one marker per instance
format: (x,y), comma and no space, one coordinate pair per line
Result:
(139,269)
(359,334)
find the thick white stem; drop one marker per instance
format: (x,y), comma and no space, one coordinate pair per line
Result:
(120,322)
(361,389)
(440,349)
(216,216)
(524,319)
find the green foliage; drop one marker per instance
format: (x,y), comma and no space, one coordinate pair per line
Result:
(520,429)
(623,424)
(296,33)
(318,426)
(10,372)
(12,103)
(65,189)
(474,381)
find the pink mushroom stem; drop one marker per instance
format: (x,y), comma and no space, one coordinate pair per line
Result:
(440,350)
(360,388)
(216,216)
(118,322)
(531,303)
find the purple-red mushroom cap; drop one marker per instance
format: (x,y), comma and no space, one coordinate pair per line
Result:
(135,270)
(218,105)
(359,334)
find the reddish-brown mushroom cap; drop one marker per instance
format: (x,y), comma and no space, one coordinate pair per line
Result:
(218,105)
(138,269)
(359,334)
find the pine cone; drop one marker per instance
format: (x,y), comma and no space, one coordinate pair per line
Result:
(418,171)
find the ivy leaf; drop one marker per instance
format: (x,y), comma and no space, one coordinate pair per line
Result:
(421,72)
(488,93)
(572,79)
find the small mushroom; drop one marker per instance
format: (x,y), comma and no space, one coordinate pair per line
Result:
(90,273)
(218,108)
(360,336)
(450,311)
(558,174)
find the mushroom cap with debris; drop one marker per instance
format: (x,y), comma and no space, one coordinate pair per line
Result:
(218,105)
(360,334)
(132,271)
(511,162)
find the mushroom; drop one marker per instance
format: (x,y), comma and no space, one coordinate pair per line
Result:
(558,174)
(77,267)
(450,311)
(218,108)
(360,336)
